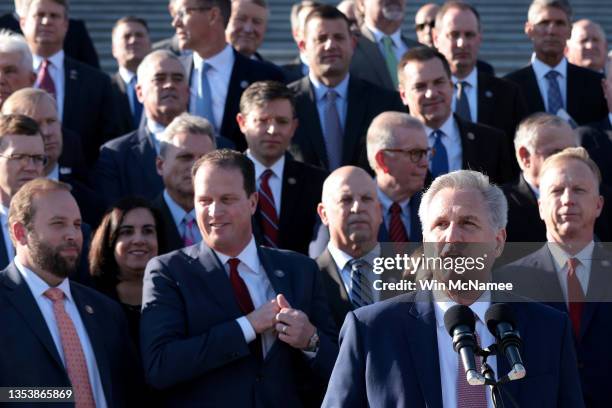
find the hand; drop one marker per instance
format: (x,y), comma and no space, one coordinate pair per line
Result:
(263,318)
(293,326)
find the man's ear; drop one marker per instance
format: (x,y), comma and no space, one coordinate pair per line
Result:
(524,157)
(380,161)
(322,214)
(159,165)
(19,233)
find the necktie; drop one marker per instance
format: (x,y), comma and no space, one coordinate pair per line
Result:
(188,238)
(462,106)
(44,78)
(267,210)
(137,106)
(575,295)
(470,396)
(76,366)
(397,231)
(390,58)
(439,160)
(204,103)
(333,131)
(555,101)
(361,292)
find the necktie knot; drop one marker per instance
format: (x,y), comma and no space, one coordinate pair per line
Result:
(437,135)
(54,294)
(395,209)
(331,96)
(46,64)
(206,67)
(552,74)
(233,264)
(387,41)
(265,176)
(462,85)
(572,264)
(357,265)
(188,220)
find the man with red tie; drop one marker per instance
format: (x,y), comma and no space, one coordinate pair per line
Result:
(228,322)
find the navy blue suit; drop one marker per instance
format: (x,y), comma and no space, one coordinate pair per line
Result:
(29,357)
(194,350)
(389,357)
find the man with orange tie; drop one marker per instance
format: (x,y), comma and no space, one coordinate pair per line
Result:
(59,333)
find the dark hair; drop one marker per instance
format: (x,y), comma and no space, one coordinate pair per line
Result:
(423,54)
(262,92)
(229,159)
(225,6)
(17,124)
(327,12)
(102,264)
(260,3)
(131,19)
(461,5)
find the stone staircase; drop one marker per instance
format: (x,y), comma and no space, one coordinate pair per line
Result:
(504,44)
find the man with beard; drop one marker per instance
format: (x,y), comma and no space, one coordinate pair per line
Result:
(381,44)
(399,350)
(61,334)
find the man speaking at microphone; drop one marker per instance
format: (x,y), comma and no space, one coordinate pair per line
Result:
(397,353)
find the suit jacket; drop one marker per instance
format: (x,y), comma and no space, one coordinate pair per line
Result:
(365,102)
(585,100)
(389,357)
(126,166)
(302,185)
(71,161)
(173,237)
(485,67)
(88,106)
(170,44)
(124,118)
(244,72)
(29,357)
(293,70)
(535,276)
(596,138)
(368,62)
(194,350)
(77,44)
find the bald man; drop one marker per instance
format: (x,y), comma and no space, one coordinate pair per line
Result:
(587,46)
(424,22)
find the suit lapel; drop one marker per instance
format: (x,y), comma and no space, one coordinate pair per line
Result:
(600,287)
(172,233)
(573,90)
(214,276)
(374,57)
(291,187)
(526,191)
(468,143)
(415,222)
(71,89)
(355,113)
(120,83)
(237,84)
(547,281)
(532,91)
(144,154)
(313,133)
(4,257)
(484,97)
(342,302)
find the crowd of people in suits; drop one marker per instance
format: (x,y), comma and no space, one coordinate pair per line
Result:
(201,228)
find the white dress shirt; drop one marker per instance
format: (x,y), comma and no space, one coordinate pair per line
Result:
(178,215)
(399,48)
(38,287)
(341,259)
(341,100)
(542,69)
(219,74)
(471,92)
(386,204)
(446,354)
(8,244)
(156,131)
(260,289)
(583,269)
(127,76)
(452,142)
(54,173)
(56,70)
(275,181)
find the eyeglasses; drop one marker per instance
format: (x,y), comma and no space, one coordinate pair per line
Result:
(421,26)
(415,155)
(184,11)
(24,159)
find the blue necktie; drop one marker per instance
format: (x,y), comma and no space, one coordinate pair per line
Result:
(361,292)
(204,102)
(555,101)
(137,106)
(462,106)
(439,161)
(333,131)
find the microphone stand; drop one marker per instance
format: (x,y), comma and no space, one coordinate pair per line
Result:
(489,375)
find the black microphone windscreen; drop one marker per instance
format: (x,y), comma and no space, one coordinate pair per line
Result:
(497,313)
(459,315)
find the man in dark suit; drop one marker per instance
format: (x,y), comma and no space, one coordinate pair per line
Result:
(84,94)
(289,191)
(185,140)
(130,44)
(334,108)
(426,88)
(298,68)
(62,334)
(550,83)
(381,44)
(230,323)
(478,97)
(399,350)
(399,155)
(126,165)
(217,73)
(571,272)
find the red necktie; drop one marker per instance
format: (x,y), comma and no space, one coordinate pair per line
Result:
(76,366)
(397,232)
(470,396)
(267,211)
(575,295)
(44,78)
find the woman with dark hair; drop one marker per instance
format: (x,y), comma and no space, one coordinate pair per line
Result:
(130,234)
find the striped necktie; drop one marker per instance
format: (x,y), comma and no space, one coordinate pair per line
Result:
(361,291)
(267,210)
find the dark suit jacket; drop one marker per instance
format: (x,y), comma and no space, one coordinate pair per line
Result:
(535,276)
(71,160)
(126,166)
(244,72)
(301,193)
(29,357)
(389,357)
(365,102)
(173,237)
(194,349)
(125,119)
(77,44)
(368,62)
(293,70)
(170,44)
(88,106)
(596,138)
(485,67)
(585,100)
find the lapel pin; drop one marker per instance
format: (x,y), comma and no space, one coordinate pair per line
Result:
(605,263)
(65,170)
(74,74)
(279,273)
(488,94)
(291,180)
(470,136)
(244,84)
(89,309)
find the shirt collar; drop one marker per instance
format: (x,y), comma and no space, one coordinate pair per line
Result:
(533,188)
(178,214)
(57,60)
(303,59)
(4,211)
(54,173)
(386,202)
(277,168)
(248,256)
(341,258)
(321,90)
(448,128)
(396,37)
(126,75)
(220,62)
(37,285)
(155,127)
(471,79)
(560,257)
(479,307)
(542,69)
(610,118)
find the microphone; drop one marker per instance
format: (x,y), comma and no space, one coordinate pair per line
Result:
(502,323)
(460,324)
